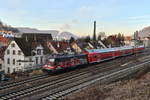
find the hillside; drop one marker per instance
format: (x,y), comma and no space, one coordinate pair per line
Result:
(145,32)
(4,27)
(54,33)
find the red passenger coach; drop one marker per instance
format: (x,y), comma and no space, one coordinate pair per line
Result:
(139,49)
(98,55)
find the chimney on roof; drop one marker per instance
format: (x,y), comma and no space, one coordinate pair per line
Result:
(26,39)
(94,33)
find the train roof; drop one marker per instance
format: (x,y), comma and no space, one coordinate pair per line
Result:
(66,56)
(109,49)
(141,46)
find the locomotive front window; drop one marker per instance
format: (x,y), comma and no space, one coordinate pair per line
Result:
(51,62)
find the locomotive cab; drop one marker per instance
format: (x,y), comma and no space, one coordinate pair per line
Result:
(50,65)
(64,62)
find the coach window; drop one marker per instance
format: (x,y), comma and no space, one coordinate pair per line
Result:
(91,58)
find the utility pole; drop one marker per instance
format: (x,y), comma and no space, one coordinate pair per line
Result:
(135,44)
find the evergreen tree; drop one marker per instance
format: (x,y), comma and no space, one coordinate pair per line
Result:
(72,40)
(50,37)
(136,35)
(87,39)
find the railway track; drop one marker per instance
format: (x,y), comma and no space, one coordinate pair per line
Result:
(53,78)
(56,78)
(68,86)
(15,83)
(11,84)
(65,91)
(5,87)
(74,80)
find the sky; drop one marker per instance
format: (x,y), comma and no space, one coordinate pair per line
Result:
(77,16)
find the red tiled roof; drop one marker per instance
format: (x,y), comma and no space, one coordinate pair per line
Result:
(129,38)
(4,40)
(60,46)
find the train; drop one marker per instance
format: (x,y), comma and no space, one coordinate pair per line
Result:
(62,62)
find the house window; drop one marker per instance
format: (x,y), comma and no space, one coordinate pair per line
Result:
(13,45)
(30,59)
(36,60)
(0,66)
(14,70)
(14,52)
(13,61)
(8,70)
(38,52)
(41,60)
(8,52)
(19,63)
(8,61)
(19,52)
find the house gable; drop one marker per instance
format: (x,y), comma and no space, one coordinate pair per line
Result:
(16,47)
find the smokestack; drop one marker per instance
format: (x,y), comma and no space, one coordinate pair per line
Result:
(94,34)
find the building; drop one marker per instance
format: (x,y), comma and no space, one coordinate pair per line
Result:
(1,69)
(146,41)
(22,55)
(2,49)
(76,47)
(60,47)
(6,34)
(84,45)
(128,40)
(3,41)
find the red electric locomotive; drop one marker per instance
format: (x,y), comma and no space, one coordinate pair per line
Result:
(64,61)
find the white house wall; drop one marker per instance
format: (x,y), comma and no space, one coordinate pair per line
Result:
(39,56)
(25,62)
(28,65)
(2,65)
(18,66)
